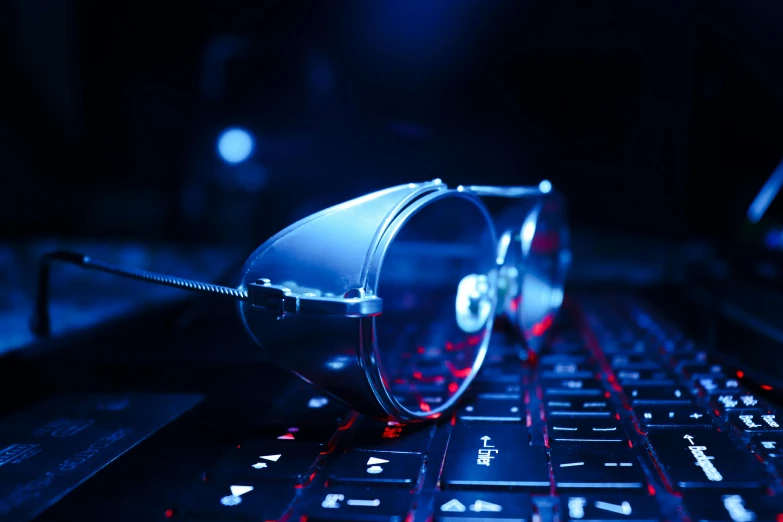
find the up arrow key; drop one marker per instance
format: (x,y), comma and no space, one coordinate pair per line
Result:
(486,439)
(690,438)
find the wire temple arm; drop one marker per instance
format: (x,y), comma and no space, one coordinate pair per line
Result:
(41,322)
(545,187)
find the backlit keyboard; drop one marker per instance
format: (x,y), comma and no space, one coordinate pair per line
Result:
(620,418)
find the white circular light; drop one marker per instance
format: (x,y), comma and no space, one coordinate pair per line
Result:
(235,145)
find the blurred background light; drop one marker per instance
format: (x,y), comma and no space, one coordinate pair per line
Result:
(235,145)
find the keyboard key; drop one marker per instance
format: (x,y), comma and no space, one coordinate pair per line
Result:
(660,377)
(600,466)
(609,506)
(768,445)
(292,434)
(504,375)
(731,506)
(692,369)
(635,346)
(567,370)
(494,455)
(657,394)
(727,403)
(573,391)
(377,468)
(699,458)
(505,390)
(578,407)
(492,410)
(358,505)
(755,422)
(634,362)
(585,429)
(456,506)
(375,435)
(570,386)
(266,461)
(307,406)
(672,415)
(713,385)
(553,359)
(240,498)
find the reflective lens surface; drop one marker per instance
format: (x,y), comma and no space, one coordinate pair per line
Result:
(437,281)
(534,268)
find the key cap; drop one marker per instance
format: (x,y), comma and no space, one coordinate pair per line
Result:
(377,469)
(750,422)
(636,346)
(609,506)
(699,458)
(307,406)
(578,407)
(572,386)
(498,375)
(290,433)
(585,429)
(567,370)
(768,445)
(671,416)
(657,394)
(731,506)
(241,498)
(712,385)
(375,435)
(634,362)
(600,466)
(494,455)
(546,361)
(492,410)
(267,461)
(487,389)
(658,377)
(731,402)
(456,506)
(693,368)
(345,504)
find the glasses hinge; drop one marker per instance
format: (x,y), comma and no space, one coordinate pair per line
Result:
(282,301)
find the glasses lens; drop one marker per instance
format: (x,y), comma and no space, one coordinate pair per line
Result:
(534,269)
(437,285)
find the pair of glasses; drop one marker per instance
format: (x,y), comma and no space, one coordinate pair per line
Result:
(387,302)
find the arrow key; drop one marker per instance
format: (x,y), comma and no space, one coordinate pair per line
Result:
(222,497)
(674,415)
(271,460)
(455,506)
(377,469)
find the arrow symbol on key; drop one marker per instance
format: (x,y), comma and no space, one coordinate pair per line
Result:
(690,439)
(486,439)
(696,416)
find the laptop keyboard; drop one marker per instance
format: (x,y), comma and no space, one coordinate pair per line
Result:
(620,418)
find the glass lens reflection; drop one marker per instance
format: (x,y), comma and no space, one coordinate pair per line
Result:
(535,265)
(437,287)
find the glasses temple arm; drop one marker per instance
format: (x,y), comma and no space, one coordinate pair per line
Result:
(41,320)
(506,191)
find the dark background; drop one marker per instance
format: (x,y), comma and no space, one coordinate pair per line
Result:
(656,118)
